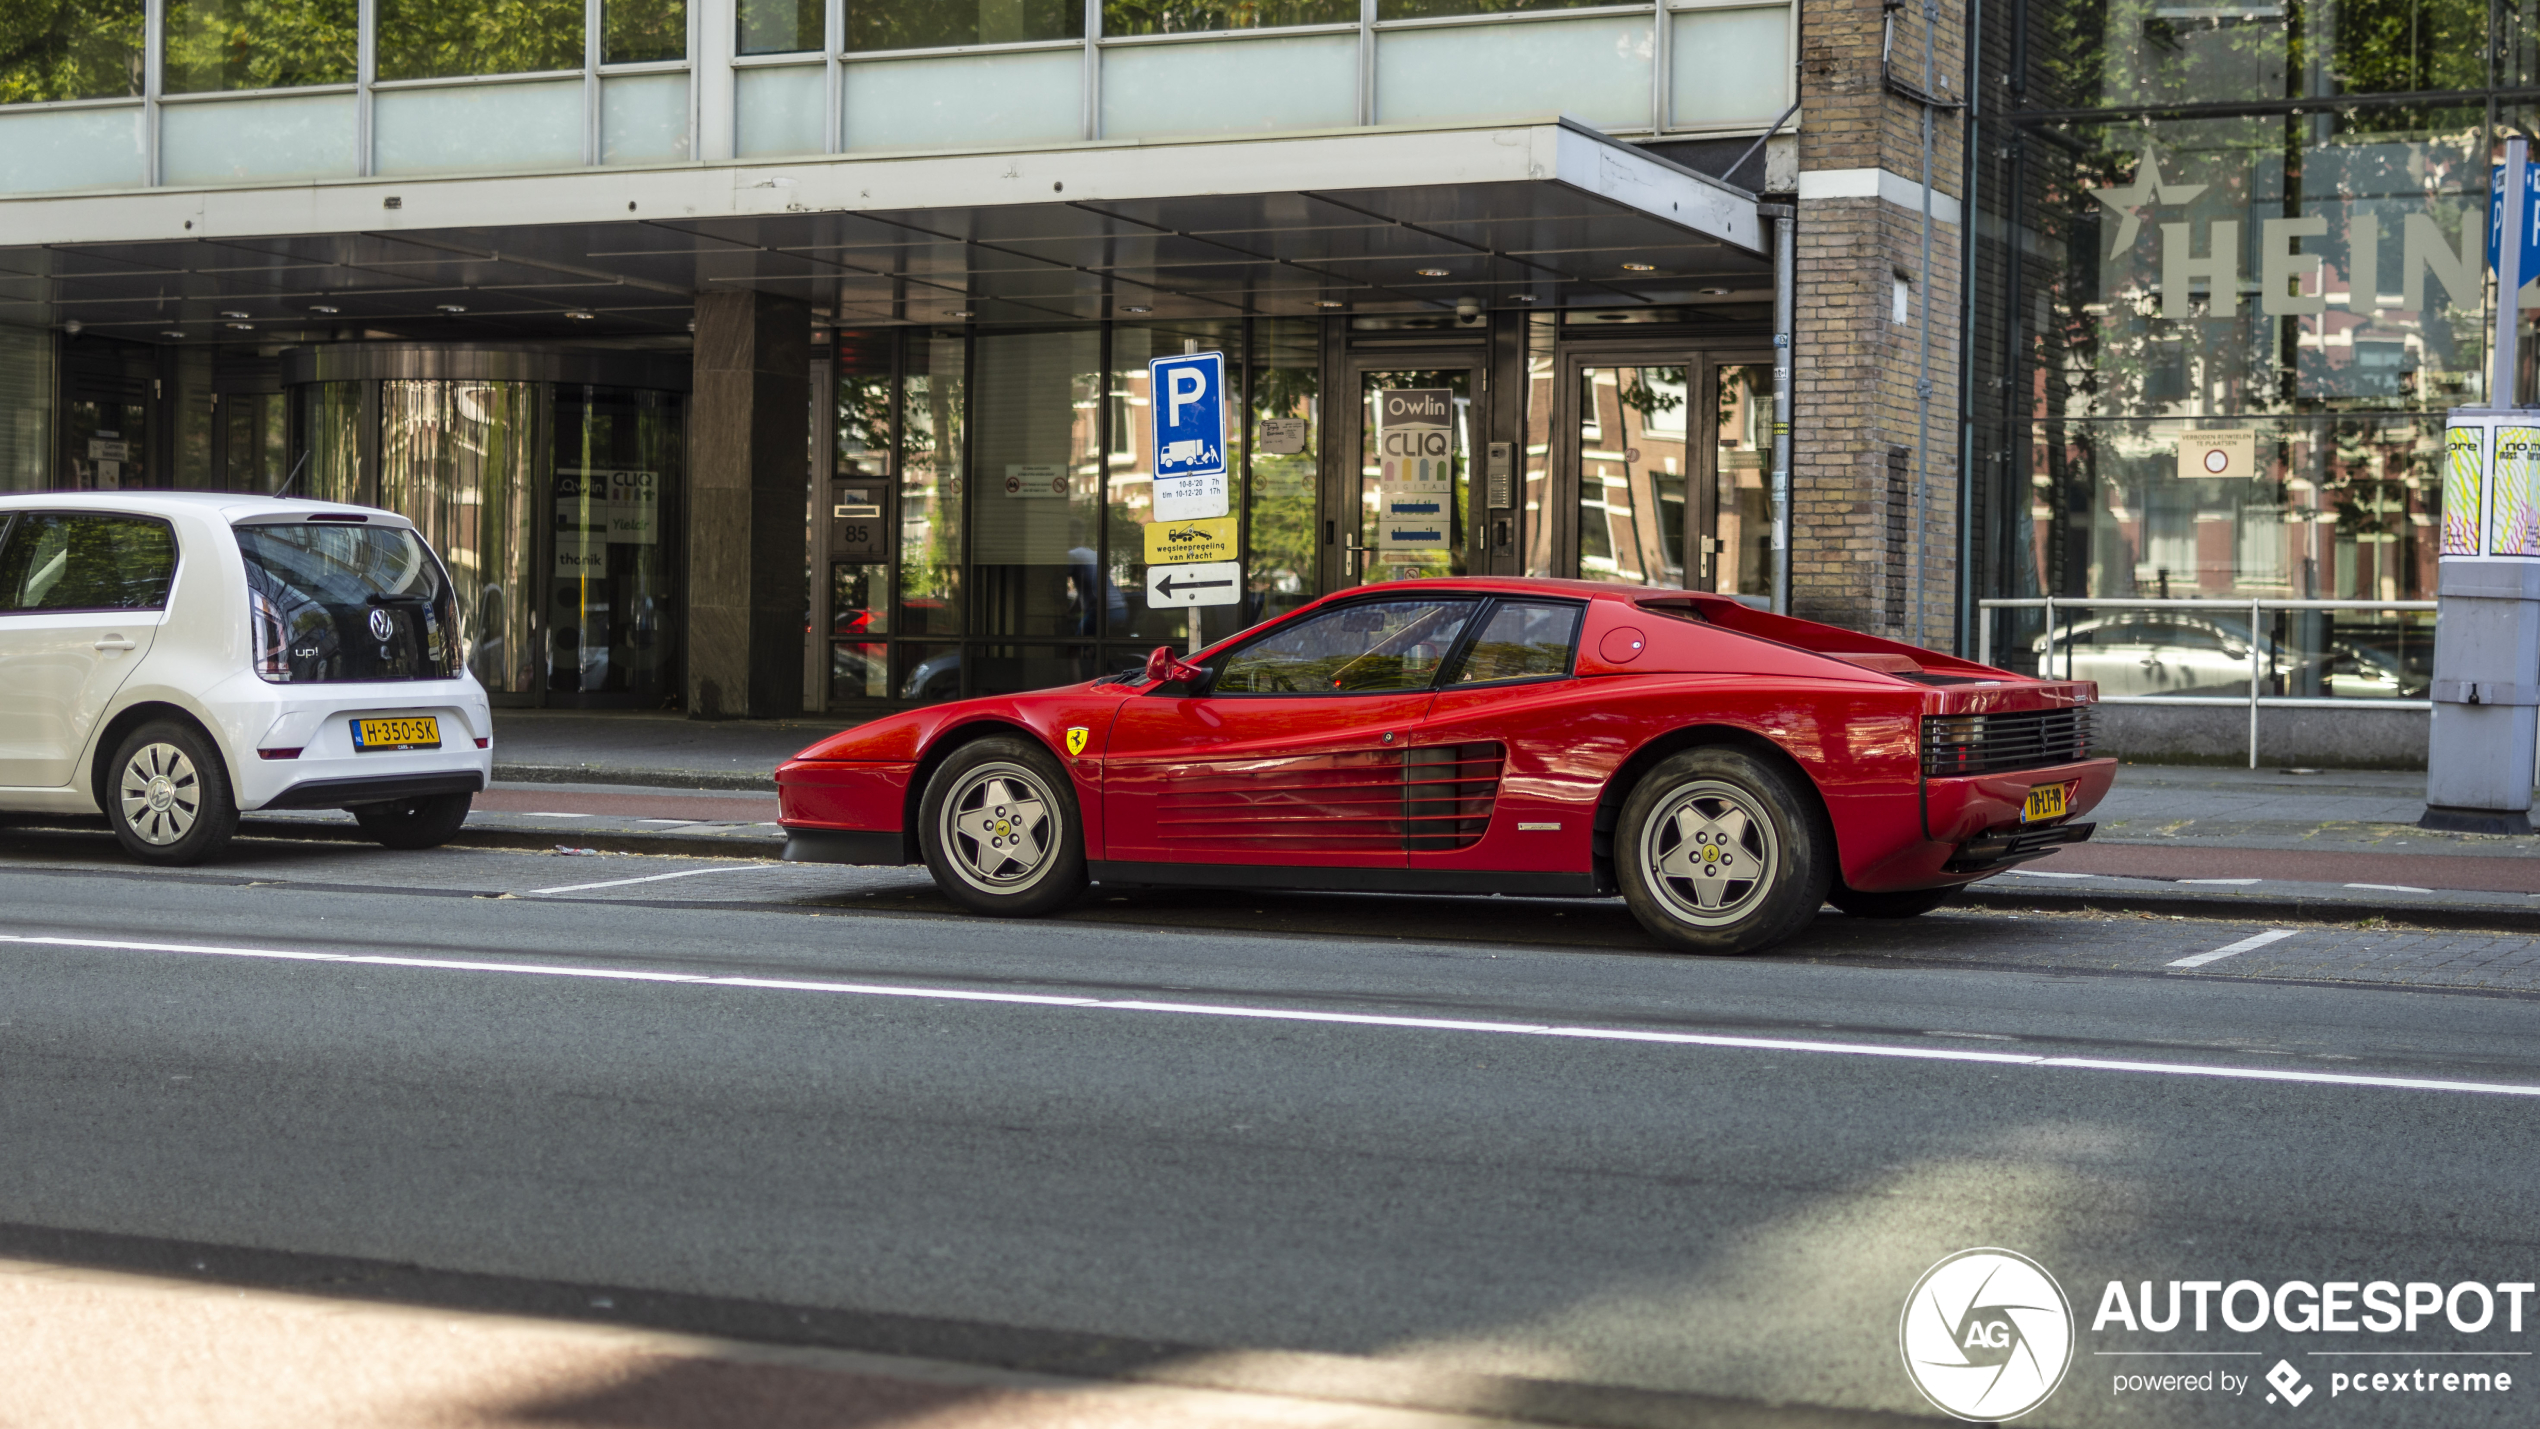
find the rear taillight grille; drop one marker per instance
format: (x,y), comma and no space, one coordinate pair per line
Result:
(1955,746)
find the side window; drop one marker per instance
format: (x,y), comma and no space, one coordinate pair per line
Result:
(1372,647)
(1524,640)
(75,561)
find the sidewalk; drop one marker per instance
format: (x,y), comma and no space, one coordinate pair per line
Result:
(2338,846)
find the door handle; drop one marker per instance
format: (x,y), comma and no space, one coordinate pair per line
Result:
(114,642)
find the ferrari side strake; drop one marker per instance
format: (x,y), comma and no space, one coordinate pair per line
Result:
(1725,770)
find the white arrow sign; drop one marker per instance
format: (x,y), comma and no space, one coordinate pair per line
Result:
(1208,583)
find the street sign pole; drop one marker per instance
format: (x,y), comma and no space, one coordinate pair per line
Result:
(1189,404)
(2486,690)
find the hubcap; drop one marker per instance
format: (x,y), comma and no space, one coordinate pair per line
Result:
(1709,852)
(1000,827)
(160,794)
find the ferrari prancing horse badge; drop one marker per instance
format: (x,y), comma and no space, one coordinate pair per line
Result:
(1076,738)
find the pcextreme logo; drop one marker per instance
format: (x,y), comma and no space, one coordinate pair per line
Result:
(1987,1334)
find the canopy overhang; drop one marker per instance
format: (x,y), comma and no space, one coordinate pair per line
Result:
(1546,214)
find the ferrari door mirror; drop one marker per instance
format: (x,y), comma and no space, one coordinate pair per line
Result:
(1165,668)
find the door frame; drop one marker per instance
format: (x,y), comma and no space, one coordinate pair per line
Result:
(1702,361)
(1345,471)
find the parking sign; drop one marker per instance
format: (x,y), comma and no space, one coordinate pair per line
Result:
(1186,396)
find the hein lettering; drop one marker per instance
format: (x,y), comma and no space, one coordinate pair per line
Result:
(2290,282)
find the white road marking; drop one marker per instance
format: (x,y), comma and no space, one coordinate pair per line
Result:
(2234,882)
(527,815)
(1286,1014)
(2271,935)
(2390,888)
(648,878)
(2042,873)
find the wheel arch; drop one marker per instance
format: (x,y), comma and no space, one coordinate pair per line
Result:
(1609,805)
(131,717)
(946,744)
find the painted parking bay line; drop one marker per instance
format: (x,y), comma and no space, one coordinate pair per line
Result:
(2250,944)
(1293,1014)
(647,878)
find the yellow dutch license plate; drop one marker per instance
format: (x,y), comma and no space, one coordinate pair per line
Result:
(372,736)
(2047,801)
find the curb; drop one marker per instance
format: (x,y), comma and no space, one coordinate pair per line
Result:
(2451,917)
(536,840)
(634,778)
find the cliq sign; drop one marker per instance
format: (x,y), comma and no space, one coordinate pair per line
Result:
(2491,484)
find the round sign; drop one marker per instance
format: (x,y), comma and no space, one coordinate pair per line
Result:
(1631,453)
(2217,461)
(1013,485)
(1987,1335)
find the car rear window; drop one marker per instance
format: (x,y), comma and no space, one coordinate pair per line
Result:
(333,603)
(54,560)
(1523,640)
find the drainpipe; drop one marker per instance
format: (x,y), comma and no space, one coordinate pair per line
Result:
(1785,260)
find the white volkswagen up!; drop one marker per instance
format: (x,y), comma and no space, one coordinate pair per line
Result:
(172,658)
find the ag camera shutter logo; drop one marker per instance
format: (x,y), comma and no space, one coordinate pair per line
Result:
(1987,1334)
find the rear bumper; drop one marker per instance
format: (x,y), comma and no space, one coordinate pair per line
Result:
(379,789)
(1971,826)
(1998,851)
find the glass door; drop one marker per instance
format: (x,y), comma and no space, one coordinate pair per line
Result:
(1414,471)
(1648,466)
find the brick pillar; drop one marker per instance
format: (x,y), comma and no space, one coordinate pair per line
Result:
(1855,369)
(748,466)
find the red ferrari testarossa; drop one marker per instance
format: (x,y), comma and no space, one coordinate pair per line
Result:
(1725,770)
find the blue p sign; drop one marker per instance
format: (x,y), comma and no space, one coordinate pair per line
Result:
(1187,396)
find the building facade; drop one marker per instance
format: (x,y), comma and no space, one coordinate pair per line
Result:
(748,356)
(2229,277)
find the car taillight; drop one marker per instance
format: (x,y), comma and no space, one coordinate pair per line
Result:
(272,639)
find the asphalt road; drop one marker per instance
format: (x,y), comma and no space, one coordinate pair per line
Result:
(1472,1154)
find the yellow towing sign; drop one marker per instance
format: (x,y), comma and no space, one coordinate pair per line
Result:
(1182,543)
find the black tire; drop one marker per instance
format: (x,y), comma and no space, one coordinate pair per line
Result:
(1911,903)
(1698,821)
(167,795)
(1000,831)
(426,822)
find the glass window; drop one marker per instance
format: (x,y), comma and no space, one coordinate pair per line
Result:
(1166,17)
(1743,516)
(259,44)
(927,24)
(1283,543)
(69,49)
(618,463)
(425,39)
(1524,640)
(2192,53)
(1729,65)
(1632,456)
(1035,562)
(1426,9)
(80,562)
(933,401)
(335,603)
(1415,478)
(635,31)
(776,27)
(1367,647)
(455,459)
(1131,504)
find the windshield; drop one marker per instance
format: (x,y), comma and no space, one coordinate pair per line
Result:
(333,603)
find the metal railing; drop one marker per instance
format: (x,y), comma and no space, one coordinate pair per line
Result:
(2255,607)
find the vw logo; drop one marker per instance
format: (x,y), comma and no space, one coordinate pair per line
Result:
(1987,1334)
(381,627)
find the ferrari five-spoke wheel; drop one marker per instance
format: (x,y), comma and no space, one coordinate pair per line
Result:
(999,827)
(167,795)
(1721,852)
